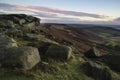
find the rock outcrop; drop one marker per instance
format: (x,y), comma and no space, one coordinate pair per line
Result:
(7,42)
(17,25)
(11,55)
(97,71)
(19,57)
(113,61)
(18,20)
(40,38)
(59,52)
(92,53)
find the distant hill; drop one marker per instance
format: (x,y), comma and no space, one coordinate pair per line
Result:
(94,25)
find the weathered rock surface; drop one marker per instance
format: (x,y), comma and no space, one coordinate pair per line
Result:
(113,61)
(97,71)
(40,38)
(92,53)
(17,25)
(20,57)
(7,42)
(15,20)
(59,52)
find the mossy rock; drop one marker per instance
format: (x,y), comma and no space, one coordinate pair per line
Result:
(6,23)
(21,20)
(58,52)
(97,71)
(20,57)
(92,53)
(113,61)
(7,42)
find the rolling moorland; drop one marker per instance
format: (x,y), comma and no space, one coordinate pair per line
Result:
(30,50)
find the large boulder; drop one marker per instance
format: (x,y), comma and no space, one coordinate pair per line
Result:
(92,53)
(97,71)
(19,57)
(60,52)
(113,61)
(7,42)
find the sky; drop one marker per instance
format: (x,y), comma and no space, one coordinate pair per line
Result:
(66,11)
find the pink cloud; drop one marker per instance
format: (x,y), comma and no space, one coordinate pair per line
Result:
(52,10)
(52,14)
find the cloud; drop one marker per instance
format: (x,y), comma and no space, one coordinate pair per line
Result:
(65,12)
(4,5)
(117,19)
(74,13)
(53,15)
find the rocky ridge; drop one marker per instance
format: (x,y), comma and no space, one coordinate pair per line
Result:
(25,57)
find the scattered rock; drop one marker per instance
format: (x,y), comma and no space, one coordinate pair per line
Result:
(113,61)
(19,57)
(7,42)
(92,53)
(59,52)
(40,38)
(97,71)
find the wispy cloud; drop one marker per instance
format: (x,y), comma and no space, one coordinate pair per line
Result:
(65,12)
(59,11)
(55,15)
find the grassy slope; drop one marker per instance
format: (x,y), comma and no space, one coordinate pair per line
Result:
(111,35)
(104,31)
(49,70)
